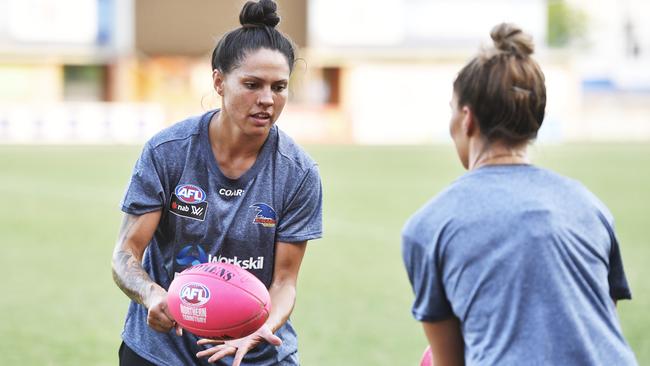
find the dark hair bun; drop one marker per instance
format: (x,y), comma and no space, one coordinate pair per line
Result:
(510,38)
(261,13)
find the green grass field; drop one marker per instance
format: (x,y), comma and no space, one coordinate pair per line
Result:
(60,216)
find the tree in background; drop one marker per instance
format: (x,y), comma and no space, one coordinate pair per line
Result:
(566,24)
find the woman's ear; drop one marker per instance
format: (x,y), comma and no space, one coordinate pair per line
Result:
(469,124)
(217,81)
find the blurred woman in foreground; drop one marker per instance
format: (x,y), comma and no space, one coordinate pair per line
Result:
(513,264)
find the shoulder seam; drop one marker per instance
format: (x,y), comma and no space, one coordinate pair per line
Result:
(304,168)
(296,164)
(174,139)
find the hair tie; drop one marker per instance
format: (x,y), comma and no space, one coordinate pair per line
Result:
(252,25)
(517,89)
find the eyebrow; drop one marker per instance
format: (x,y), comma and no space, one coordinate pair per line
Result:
(260,79)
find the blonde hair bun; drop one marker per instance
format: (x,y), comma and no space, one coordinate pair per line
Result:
(511,39)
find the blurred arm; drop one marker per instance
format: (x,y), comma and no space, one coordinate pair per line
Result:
(288,257)
(446,341)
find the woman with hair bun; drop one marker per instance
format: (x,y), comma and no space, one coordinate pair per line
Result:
(513,264)
(256,201)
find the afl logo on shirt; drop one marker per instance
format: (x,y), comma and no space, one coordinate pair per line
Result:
(189,201)
(189,193)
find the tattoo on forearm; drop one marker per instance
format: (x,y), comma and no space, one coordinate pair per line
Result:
(128,273)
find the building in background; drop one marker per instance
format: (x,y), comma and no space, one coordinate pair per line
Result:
(613,71)
(390,67)
(116,71)
(60,72)
(111,71)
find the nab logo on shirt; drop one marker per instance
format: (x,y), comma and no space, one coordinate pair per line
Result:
(189,201)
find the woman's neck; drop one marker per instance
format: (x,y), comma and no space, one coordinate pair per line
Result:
(234,151)
(228,139)
(498,154)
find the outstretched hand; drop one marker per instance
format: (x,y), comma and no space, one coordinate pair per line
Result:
(238,347)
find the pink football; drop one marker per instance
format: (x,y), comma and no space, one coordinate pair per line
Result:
(218,301)
(427,358)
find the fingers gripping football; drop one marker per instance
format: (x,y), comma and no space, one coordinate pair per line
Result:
(158,316)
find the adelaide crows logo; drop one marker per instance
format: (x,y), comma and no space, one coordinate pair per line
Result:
(264,215)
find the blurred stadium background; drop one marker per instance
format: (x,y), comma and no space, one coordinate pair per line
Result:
(83,83)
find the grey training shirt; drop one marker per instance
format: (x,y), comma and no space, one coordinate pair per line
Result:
(529,263)
(207,217)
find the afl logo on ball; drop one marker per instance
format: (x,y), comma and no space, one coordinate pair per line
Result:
(194,294)
(190,193)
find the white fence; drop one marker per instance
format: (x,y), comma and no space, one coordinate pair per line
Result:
(404,118)
(80,123)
